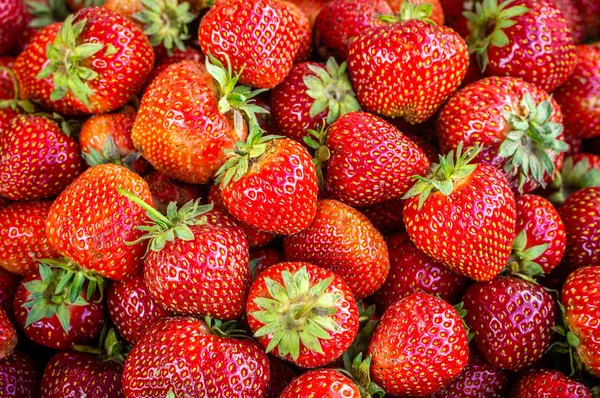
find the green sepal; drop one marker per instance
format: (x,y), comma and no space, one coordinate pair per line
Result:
(316,139)
(358,370)
(409,11)
(573,177)
(46,13)
(225,329)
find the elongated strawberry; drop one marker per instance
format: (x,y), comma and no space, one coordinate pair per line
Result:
(8,335)
(548,384)
(434,62)
(529,39)
(404,360)
(342,240)
(20,376)
(443,216)
(302,313)
(581,170)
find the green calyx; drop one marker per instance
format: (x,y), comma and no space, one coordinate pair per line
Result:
(487,26)
(462,312)
(331,89)
(174,225)
(110,348)
(296,313)
(109,154)
(316,139)
(166,22)
(409,11)
(450,170)
(60,286)
(568,343)
(358,370)
(65,62)
(573,177)
(46,13)
(526,145)
(230,329)
(366,328)
(522,259)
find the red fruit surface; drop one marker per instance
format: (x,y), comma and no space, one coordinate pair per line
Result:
(8,335)
(166,190)
(322,383)
(574,16)
(164,60)
(265,257)
(9,283)
(281,376)
(13,15)
(386,216)
(20,376)
(7,79)
(548,384)
(305,35)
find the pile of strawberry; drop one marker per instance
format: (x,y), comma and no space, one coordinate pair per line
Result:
(300,198)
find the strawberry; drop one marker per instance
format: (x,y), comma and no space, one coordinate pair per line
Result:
(23,236)
(434,62)
(437,11)
(581,170)
(581,215)
(8,335)
(511,320)
(259,38)
(548,384)
(443,216)
(310,94)
(8,287)
(368,160)
(132,308)
(311,8)
(165,190)
(13,15)
(20,376)
(529,39)
(305,36)
(7,78)
(578,96)
(573,16)
(342,240)
(128,8)
(385,216)
(418,347)
(164,59)
(411,271)
(302,313)
(36,171)
(187,360)
(518,125)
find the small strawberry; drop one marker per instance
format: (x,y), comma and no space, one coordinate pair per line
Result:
(581,170)
(444,216)
(342,240)
(511,320)
(548,384)
(13,15)
(529,39)
(20,376)
(302,313)
(8,335)
(419,346)
(188,358)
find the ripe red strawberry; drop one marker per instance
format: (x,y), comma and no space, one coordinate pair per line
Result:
(164,60)
(342,240)
(8,335)
(434,62)
(573,16)
(411,271)
(8,287)
(518,125)
(368,160)
(548,384)
(444,220)
(126,8)
(529,39)
(311,8)
(578,96)
(323,383)
(302,313)
(7,77)
(259,38)
(581,216)
(406,349)
(132,309)
(20,376)
(166,190)
(511,320)
(13,15)
(23,236)
(437,12)
(185,358)
(305,35)
(92,224)
(37,171)
(582,316)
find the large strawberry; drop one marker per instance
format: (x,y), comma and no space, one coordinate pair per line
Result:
(529,39)
(463,216)
(302,313)
(187,360)
(260,38)
(20,376)
(434,60)
(342,240)
(419,346)
(545,383)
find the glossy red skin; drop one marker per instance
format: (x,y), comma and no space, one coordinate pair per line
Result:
(20,376)
(165,190)
(580,297)
(8,335)
(179,128)
(8,287)
(311,8)
(305,35)
(590,10)
(478,380)
(419,346)
(208,275)
(72,374)
(7,82)
(342,240)
(341,21)
(540,48)
(548,384)
(573,16)
(321,383)
(132,309)
(281,376)
(278,194)
(437,12)
(85,320)
(512,320)
(474,115)
(386,216)
(457,230)
(13,15)
(182,355)
(370,160)
(542,224)
(578,96)
(92,224)
(411,271)
(229,29)
(346,316)
(7,114)
(37,171)
(99,128)
(163,60)
(388,87)
(581,216)
(23,236)
(266,256)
